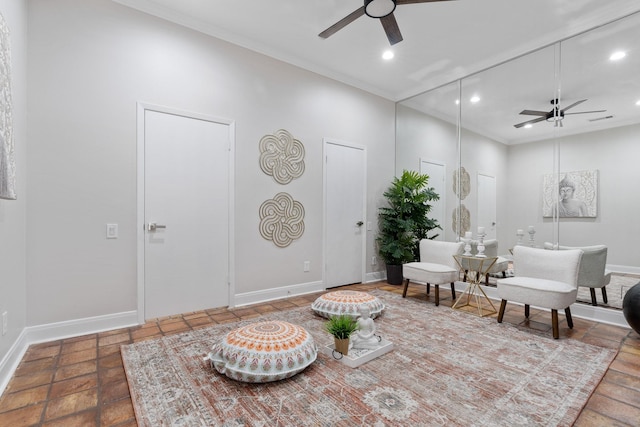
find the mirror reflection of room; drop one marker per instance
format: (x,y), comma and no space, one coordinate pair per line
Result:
(546,142)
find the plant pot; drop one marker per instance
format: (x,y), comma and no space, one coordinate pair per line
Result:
(394,274)
(342,345)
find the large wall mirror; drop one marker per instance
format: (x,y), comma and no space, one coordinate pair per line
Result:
(546,142)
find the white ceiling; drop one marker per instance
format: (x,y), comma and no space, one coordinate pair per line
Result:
(443,41)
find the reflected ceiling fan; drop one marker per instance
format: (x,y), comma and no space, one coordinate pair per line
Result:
(379,9)
(555,115)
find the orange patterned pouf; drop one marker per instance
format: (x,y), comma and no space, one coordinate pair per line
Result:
(346,302)
(263,352)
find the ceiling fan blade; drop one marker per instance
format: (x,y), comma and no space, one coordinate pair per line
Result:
(390,26)
(585,112)
(342,23)
(572,105)
(418,1)
(540,119)
(534,113)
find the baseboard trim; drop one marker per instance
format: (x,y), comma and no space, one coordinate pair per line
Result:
(623,269)
(583,311)
(256,297)
(60,330)
(375,276)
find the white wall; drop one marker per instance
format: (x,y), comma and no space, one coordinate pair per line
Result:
(12,212)
(614,153)
(420,136)
(90,61)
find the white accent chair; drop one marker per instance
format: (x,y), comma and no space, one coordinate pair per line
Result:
(436,267)
(593,269)
(491,250)
(542,278)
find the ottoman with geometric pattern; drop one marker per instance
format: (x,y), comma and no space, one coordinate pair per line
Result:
(263,352)
(346,302)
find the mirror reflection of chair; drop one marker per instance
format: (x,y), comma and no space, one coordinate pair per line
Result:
(593,269)
(436,266)
(542,278)
(491,250)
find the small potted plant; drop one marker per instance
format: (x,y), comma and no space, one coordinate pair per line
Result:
(341,327)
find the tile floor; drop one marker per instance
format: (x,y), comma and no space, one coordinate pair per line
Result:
(81,381)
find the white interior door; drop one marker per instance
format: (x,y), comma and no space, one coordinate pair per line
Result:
(186,213)
(345,196)
(437,175)
(487,204)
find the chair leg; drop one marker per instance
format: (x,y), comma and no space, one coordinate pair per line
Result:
(526,311)
(567,312)
(503,305)
(406,286)
(554,323)
(453,291)
(428,288)
(504,274)
(593,297)
(464,276)
(486,279)
(437,294)
(604,295)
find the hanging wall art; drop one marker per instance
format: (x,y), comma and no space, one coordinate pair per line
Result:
(282,156)
(7,159)
(576,193)
(281,220)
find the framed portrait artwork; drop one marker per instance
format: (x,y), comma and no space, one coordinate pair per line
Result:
(577,194)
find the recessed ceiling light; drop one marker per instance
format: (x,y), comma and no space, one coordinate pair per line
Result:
(475,98)
(457,102)
(387,55)
(638,102)
(615,56)
(528,126)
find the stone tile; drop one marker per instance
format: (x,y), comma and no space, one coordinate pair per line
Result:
(73,346)
(27,416)
(614,409)
(113,391)
(45,364)
(177,326)
(74,385)
(76,370)
(78,356)
(24,382)
(71,403)
(151,331)
(116,412)
(40,351)
(122,338)
(621,379)
(623,364)
(112,375)
(87,418)
(112,361)
(621,394)
(109,350)
(223,317)
(589,418)
(20,399)
(199,322)
(80,338)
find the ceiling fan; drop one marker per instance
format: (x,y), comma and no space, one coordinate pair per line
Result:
(555,115)
(380,9)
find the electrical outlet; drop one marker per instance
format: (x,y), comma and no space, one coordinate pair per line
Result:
(5,322)
(112,231)
(307,266)
(374,260)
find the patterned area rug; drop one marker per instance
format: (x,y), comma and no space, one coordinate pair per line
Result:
(447,368)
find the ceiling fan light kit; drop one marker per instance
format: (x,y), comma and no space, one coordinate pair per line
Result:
(556,115)
(379,8)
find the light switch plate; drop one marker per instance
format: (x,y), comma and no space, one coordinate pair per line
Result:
(112,231)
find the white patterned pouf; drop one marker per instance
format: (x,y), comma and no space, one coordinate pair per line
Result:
(263,352)
(346,302)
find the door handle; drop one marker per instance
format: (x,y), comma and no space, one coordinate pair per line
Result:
(153,226)
(359,223)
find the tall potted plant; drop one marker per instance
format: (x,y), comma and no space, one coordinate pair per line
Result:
(404,222)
